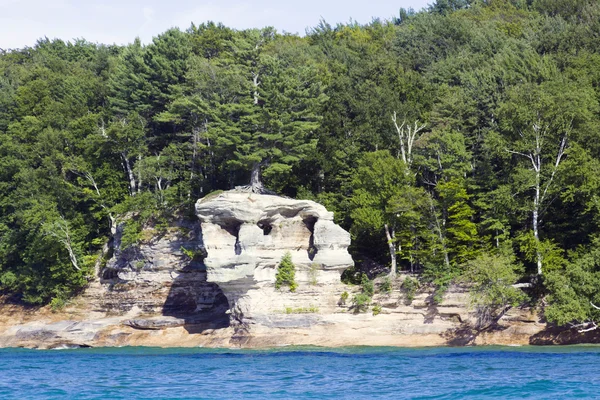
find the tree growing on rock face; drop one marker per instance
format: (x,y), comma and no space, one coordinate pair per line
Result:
(574,297)
(286,273)
(492,293)
(267,126)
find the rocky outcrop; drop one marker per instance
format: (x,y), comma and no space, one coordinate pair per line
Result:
(245,236)
(210,282)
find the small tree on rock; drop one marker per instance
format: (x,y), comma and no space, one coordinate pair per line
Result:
(286,273)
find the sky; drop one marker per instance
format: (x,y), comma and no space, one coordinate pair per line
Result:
(23,22)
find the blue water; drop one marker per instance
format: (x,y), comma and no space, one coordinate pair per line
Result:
(302,373)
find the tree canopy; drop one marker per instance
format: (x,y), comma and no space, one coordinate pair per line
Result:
(440,138)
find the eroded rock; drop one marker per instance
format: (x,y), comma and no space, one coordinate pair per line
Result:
(245,233)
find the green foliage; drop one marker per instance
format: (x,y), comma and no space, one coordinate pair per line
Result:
(131,235)
(441,276)
(301,310)
(410,286)
(461,231)
(212,195)
(376,309)
(58,303)
(492,293)
(286,273)
(367,285)
(552,256)
(344,297)
(94,135)
(361,302)
(351,276)
(386,285)
(194,255)
(378,184)
(573,289)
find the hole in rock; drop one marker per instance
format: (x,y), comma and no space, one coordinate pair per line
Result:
(266,228)
(310,225)
(109,274)
(233,227)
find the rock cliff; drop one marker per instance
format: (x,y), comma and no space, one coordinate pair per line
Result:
(210,282)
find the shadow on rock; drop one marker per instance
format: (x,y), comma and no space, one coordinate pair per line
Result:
(563,336)
(196,304)
(464,335)
(193,302)
(432,309)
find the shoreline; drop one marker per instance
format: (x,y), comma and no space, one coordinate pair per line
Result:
(328,349)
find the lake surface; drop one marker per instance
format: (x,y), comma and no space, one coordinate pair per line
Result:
(302,373)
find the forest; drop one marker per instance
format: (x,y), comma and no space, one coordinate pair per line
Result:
(460,143)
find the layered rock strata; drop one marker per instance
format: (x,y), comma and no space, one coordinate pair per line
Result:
(210,282)
(245,236)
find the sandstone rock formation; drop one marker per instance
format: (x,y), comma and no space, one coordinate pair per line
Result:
(209,271)
(245,235)
(210,282)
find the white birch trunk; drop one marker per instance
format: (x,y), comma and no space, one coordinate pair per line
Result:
(407,135)
(130,175)
(391,239)
(535,156)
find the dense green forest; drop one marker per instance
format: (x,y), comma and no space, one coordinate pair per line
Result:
(461,142)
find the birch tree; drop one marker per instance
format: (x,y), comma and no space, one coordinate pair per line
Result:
(539,121)
(59,229)
(125,137)
(407,133)
(379,185)
(536,153)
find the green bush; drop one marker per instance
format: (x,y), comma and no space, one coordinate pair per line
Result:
(301,310)
(131,234)
(344,297)
(410,287)
(212,195)
(286,273)
(8,280)
(351,276)
(386,285)
(194,255)
(367,286)
(377,309)
(361,302)
(491,277)
(58,303)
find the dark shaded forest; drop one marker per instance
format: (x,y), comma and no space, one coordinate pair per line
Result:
(460,143)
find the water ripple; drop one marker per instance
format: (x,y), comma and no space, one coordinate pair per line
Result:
(305,373)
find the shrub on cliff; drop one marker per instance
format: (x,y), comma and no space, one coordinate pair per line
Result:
(361,301)
(286,273)
(368,287)
(492,292)
(410,287)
